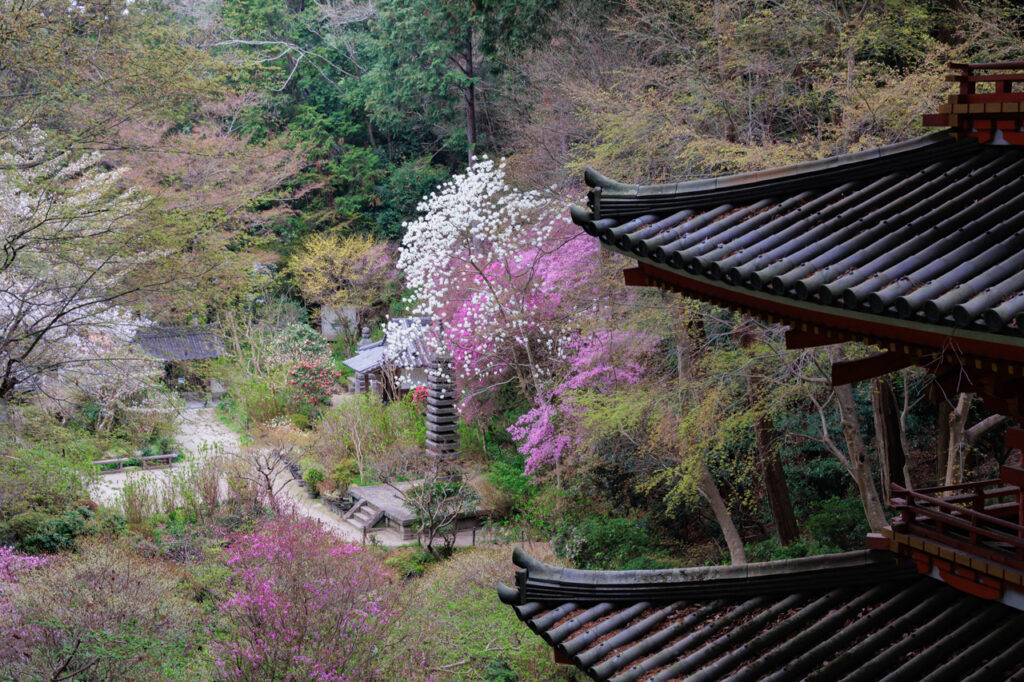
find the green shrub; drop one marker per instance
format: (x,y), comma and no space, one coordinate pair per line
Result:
(451,617)
(27,523)
(88,416)
(601,542)
(312,476)
(815,479)
(410,562)
(345,473)
(507,474)
(256,400)
(497,669)
(840,522)
(771,550)
(59,533)
(301,341)
(82,449)
(299,421)
(38,479)
(648,563)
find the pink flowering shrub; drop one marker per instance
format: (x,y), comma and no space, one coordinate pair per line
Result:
(13,564)
(310,383)
(103,613)
(601,362)
(302,605)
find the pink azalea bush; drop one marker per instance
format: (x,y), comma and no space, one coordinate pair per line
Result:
(103,613)
(310,382)
(302,605)
(601,362)
(14,565)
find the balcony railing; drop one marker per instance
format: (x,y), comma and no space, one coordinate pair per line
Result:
(983,519)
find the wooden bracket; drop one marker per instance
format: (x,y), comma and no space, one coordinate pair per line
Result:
(636,277)
(1015,439)
(797,339)
(861,369)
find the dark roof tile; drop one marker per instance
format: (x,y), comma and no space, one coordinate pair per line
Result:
(930,230)
(855,616)
(176,344)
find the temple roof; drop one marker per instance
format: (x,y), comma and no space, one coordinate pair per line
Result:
(371,356)
(368,358)
(917,247)
(175,344)
(854,616)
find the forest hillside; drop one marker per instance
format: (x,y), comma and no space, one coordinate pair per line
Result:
(209,209)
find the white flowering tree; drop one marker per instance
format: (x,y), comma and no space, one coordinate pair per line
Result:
(490,264)
(71,253)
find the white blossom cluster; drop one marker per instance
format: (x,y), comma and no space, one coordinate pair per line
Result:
(61,256)
(475,218)
(81,7)
(466,260)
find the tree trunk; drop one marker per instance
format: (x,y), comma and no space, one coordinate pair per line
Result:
(942,440)
(766,438)
(859,465)
(889,444)
(718,11)
(470,99)
(957,422)
(737,555)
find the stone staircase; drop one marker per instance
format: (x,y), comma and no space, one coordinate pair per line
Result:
(365,516)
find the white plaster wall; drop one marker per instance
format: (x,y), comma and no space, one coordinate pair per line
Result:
(334,320)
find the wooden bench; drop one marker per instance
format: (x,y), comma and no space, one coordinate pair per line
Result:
(119,463)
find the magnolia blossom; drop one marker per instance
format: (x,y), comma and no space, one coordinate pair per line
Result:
(485,263)
(514,293)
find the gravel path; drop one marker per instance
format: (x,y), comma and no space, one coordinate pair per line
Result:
(199,428)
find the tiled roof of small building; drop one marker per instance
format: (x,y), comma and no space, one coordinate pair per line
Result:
(176,344)
(368,358)
(930,231)
(372,356)
(853,616)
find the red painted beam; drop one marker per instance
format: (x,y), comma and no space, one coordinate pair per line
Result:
(879,331)
(861,369)
(636,277)
(935,120)
(797,340)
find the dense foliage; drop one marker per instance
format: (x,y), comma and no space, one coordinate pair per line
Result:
(262,165)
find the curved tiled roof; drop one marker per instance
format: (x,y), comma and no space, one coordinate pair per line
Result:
(176,344)
(929,231)
(854,616)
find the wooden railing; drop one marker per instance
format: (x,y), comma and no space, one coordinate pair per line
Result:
(984,114)
(109,466)
(971,517)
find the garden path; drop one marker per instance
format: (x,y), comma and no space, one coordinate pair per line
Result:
(197,426)
(198,429)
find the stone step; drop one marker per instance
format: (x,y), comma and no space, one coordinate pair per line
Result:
(362,514)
